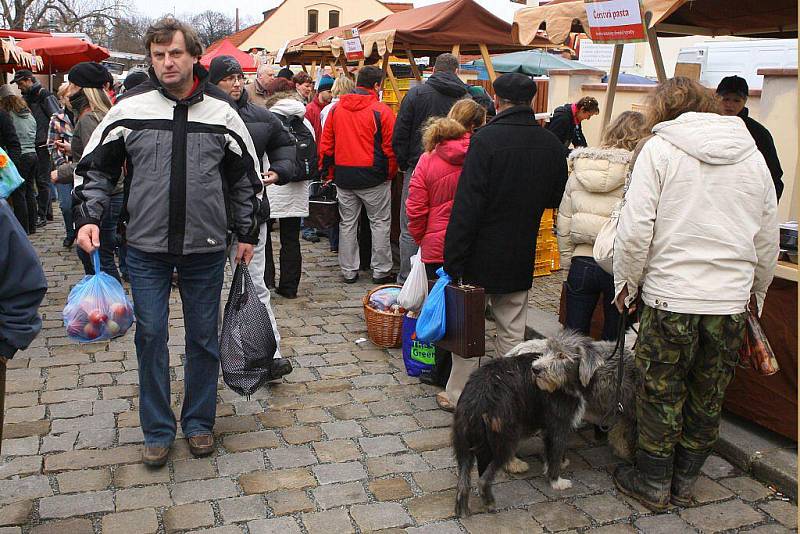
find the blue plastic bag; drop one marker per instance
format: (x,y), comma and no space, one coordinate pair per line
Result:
(10,178)
(433,317)
(97,308)
(417,356)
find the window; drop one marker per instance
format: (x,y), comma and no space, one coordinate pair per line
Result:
(313,21)
(333,19)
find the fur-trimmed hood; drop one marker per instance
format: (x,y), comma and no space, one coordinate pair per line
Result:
(600,170)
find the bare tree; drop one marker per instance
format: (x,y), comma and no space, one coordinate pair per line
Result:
(65,15)
(128,34)
(211,26)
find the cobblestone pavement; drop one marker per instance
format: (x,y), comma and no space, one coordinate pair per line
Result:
(348,443)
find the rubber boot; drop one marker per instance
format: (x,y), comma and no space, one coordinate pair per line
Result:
(648,481)
(686,470)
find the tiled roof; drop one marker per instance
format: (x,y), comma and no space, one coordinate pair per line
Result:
(397,7)
(236,38)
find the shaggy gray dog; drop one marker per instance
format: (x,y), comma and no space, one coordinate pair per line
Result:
(572,361)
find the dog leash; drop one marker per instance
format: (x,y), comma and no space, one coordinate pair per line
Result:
(619,349)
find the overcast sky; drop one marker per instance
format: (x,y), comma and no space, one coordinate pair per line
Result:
(250,10)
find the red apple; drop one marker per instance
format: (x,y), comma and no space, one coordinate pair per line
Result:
(119,311)
(112,327)
(97,317)
(91,331)
(75,328)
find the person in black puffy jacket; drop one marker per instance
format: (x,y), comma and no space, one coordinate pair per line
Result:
(567,119)
(22,287)
(434,98)
(270,138)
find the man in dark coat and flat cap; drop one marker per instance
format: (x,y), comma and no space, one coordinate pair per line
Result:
(514,170)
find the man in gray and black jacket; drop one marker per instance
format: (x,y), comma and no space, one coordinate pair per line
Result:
(188,155)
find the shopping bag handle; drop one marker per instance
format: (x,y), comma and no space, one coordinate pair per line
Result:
(96,260)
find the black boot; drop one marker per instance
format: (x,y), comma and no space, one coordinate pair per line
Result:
(687,469)
(648,481)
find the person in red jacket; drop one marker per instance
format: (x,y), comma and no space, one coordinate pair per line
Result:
(430,199)
(320,100)
(356,153)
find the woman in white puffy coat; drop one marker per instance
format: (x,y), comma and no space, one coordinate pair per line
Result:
(288,203)
(594,189)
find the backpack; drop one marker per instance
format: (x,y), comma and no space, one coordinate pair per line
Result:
(307,159)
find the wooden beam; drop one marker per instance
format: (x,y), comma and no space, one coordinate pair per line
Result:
(456,50)
(313,68)
(413,62)
(679,29)
(611,90)
(487,59)
(655,50)
(393,81)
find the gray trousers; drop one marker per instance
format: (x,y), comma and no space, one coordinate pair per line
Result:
(378,203)
(408,247)
(510,314)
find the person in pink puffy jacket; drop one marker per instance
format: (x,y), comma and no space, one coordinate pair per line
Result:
(430,200)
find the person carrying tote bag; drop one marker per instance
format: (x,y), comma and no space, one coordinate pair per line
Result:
(594,190)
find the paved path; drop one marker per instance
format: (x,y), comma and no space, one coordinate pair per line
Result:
(347,443)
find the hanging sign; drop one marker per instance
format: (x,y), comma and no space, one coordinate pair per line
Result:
(353,49)
(281,51)
(615,21)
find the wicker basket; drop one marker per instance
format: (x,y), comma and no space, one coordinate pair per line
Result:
(383,328)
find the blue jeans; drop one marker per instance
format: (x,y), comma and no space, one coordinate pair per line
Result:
(108,239)
(201,278)
(586,282)
(65,203)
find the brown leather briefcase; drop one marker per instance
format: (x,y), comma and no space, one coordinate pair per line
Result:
(465,333)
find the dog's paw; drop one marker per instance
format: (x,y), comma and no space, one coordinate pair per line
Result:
(561,484)
(516,466)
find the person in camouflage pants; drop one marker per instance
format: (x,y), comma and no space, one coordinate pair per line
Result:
(697,239)
(686,362)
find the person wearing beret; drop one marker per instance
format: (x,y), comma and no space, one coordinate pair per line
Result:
(514,170)
(318,103)
(90,103)
(733,91)
(42,104)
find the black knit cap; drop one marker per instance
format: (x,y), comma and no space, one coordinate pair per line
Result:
(135,78)
(515,87)
(286,73)
(733,84)
(22,74)
(89,75)
(222,67)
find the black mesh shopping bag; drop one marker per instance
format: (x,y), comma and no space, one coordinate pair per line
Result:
(247,343)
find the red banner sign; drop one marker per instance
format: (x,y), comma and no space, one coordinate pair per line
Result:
(615,21)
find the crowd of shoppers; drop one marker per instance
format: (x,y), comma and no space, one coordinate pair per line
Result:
(195,166)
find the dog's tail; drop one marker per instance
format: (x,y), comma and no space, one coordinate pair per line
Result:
(465,457)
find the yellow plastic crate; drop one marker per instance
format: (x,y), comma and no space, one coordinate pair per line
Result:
(541,268)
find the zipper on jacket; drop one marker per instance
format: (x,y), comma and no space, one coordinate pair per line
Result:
(177,179)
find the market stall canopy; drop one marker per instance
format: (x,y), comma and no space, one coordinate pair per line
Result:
(316,47)
(16,58)
(433,29)
(766,18)
(228,49)
(59,54)
(532,63)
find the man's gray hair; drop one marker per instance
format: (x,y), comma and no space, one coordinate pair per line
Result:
(263,67)
(446,63)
